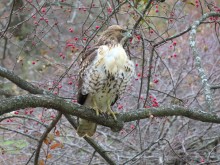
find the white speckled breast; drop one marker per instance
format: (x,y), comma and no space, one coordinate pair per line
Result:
(108,75)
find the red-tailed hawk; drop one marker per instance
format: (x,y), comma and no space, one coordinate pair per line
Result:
(105,72)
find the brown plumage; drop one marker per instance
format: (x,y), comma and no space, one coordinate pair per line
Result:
(104,74)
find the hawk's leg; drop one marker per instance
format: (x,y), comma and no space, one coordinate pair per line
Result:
(109,110)
(95,107)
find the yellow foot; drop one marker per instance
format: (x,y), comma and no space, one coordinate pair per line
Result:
(95,107)
(110,112)
(97,111)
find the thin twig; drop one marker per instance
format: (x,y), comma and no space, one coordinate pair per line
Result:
(9,21)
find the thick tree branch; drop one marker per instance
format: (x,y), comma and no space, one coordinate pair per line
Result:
(67,107)
(47,101)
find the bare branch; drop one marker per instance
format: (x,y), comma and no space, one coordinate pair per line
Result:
(50,127)
(192,43)
(67,107)
(9,21)
(19,82)
(95,145)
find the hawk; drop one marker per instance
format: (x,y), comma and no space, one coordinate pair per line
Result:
(105,71)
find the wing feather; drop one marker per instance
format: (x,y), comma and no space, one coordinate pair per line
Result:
(87,59)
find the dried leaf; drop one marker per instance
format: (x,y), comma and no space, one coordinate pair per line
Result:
(41,162)
(50,136)
(49,156)
(46,141)
(49,139)
(56,145)
(57,133)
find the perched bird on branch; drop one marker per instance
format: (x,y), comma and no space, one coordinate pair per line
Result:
(105,72)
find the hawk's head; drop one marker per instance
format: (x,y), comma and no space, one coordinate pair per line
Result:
(113,35)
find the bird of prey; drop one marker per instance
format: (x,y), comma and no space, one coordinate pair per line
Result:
(105,71)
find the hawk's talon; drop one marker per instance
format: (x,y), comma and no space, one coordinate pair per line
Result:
(97,111)
(110,112)
(95,108)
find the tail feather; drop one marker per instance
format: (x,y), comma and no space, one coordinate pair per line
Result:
(86,127)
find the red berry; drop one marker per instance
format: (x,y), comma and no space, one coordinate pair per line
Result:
(70,30)
(132,126)
(43,10)
(109,10)
(172,14)
(138,37)
(70,83)
(31,111)
(156,81)
(69,45)
(120,106)
(155,105)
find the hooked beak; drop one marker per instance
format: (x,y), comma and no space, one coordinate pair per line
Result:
(127,34)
